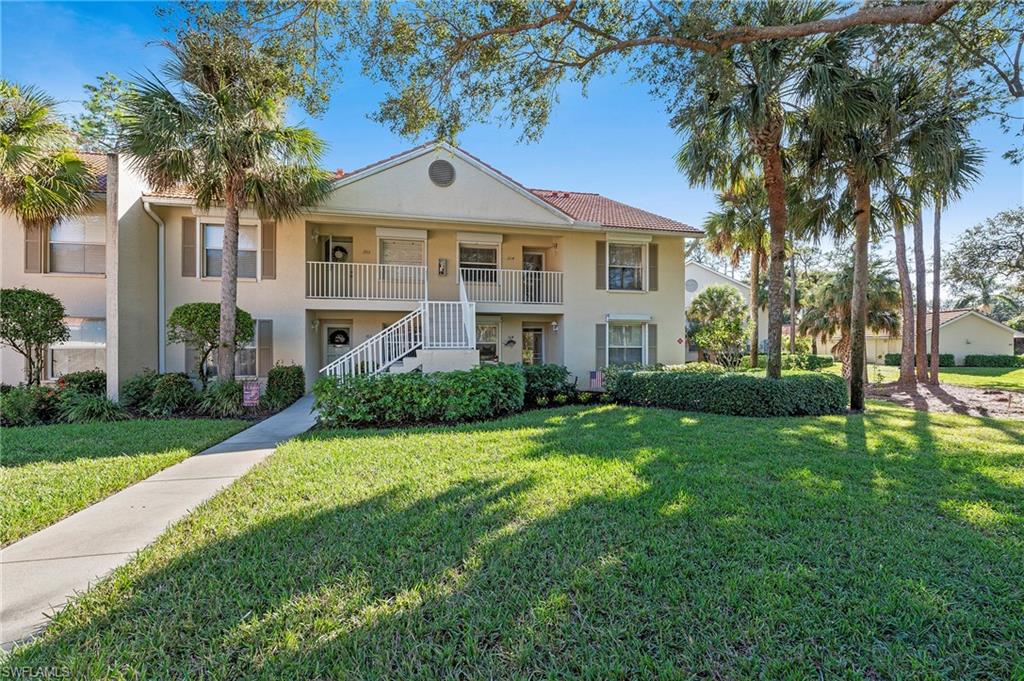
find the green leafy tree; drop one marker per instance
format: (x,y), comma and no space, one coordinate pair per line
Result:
(197,325)
(31,321)
(42,179)
(219,128)
(720,323)
(100,127)
(738,230)
(989,257)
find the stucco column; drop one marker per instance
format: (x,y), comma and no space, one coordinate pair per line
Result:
(111,287)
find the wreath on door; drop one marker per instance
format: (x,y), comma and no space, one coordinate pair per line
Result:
(338,337)
(339,254)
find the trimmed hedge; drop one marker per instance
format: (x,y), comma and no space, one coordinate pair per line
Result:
(400,399)
(994,360)
(91,382)
(544,382)
(797,394)
(285,384)
(804,361)
(892,359)
(29,405)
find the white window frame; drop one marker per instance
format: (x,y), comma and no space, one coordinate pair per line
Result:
(608,339)
(75,345)
(253,345)
(496,323)
(644,265)
(202,223)
(380,249)
(50,241)
(496,246)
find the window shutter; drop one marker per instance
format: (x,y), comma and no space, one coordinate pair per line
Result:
(188,247)
(601,282)
(601,346)
(269,248)
(652,267)
(652,344)
(33,250)
(264,346)
(191,357)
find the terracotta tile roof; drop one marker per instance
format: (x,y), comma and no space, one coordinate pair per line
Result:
(98,164)
(591,207)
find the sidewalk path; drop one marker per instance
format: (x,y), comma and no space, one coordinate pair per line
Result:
(42,571)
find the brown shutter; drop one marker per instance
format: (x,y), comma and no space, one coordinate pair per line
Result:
(264,346)
(188,247)
(652,267)
(652,343)
(33,250)
(268,245)
(601,282)
(601,346)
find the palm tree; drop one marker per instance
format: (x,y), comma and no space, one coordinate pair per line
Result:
(828,310)
(219,129)
(42,179)
(736,118)
(869,127)
(738,230)
(718,304)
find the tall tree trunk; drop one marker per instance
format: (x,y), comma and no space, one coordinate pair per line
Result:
(792,303)
(228,286)
(859,301)
(775,187)
(920,274)
(933,374)
(755,278)
(907,337)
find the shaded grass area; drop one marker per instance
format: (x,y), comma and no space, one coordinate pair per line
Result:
(1004,378)
(586,541)
(48,472)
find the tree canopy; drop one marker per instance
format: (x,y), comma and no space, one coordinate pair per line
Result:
(31,321)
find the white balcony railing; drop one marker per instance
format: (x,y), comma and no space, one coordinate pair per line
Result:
(365,281)
(512,286)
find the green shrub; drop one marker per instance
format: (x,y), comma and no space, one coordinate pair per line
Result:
(697,368)
(797,394)
(92,382)
(31,405)
(285,384)
(610,374)
(222,399)
(806,362)
(892,359)
(137,391)
(396,399)
(585,397)
(173,395)
(80,407)
(545,380)
(993,360)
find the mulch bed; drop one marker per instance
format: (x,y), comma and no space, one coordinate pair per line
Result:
(956,399)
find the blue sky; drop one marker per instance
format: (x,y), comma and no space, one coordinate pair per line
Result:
(615,141)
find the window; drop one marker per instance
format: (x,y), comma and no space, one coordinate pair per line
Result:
(213,241)
(487,342)
(533,345)
(625,344)
(625,267)
(85,349)
(78,245)
(245,360)
(401,252)
(482,261)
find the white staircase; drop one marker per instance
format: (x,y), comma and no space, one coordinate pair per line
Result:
(434,325)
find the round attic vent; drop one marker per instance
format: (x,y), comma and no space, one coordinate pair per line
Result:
(442,173)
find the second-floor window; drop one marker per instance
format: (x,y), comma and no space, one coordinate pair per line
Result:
(78,245)
(625,267)
(478,262)
(213,241)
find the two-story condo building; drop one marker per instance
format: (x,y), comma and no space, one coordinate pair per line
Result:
(430,259)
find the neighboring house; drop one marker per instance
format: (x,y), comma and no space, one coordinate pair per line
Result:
(429,259)
(961,332)
(698,277)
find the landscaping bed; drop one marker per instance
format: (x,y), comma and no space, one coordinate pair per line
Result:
(595,541)
(48,472)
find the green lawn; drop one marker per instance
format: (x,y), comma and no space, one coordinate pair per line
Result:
(592,542)
(975,377)
(48,472)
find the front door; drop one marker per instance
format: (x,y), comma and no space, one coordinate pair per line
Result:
(337,341)
(533,264)
(533,345)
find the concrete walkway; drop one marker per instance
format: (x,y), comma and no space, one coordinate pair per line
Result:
(42,571)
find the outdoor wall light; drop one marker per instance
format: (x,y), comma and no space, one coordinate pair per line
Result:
(316,324)
(554,327)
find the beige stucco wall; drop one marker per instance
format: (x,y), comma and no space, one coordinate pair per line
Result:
(83,295)
(972,335)
(706,277)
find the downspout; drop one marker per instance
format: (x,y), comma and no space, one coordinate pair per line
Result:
(161,288)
